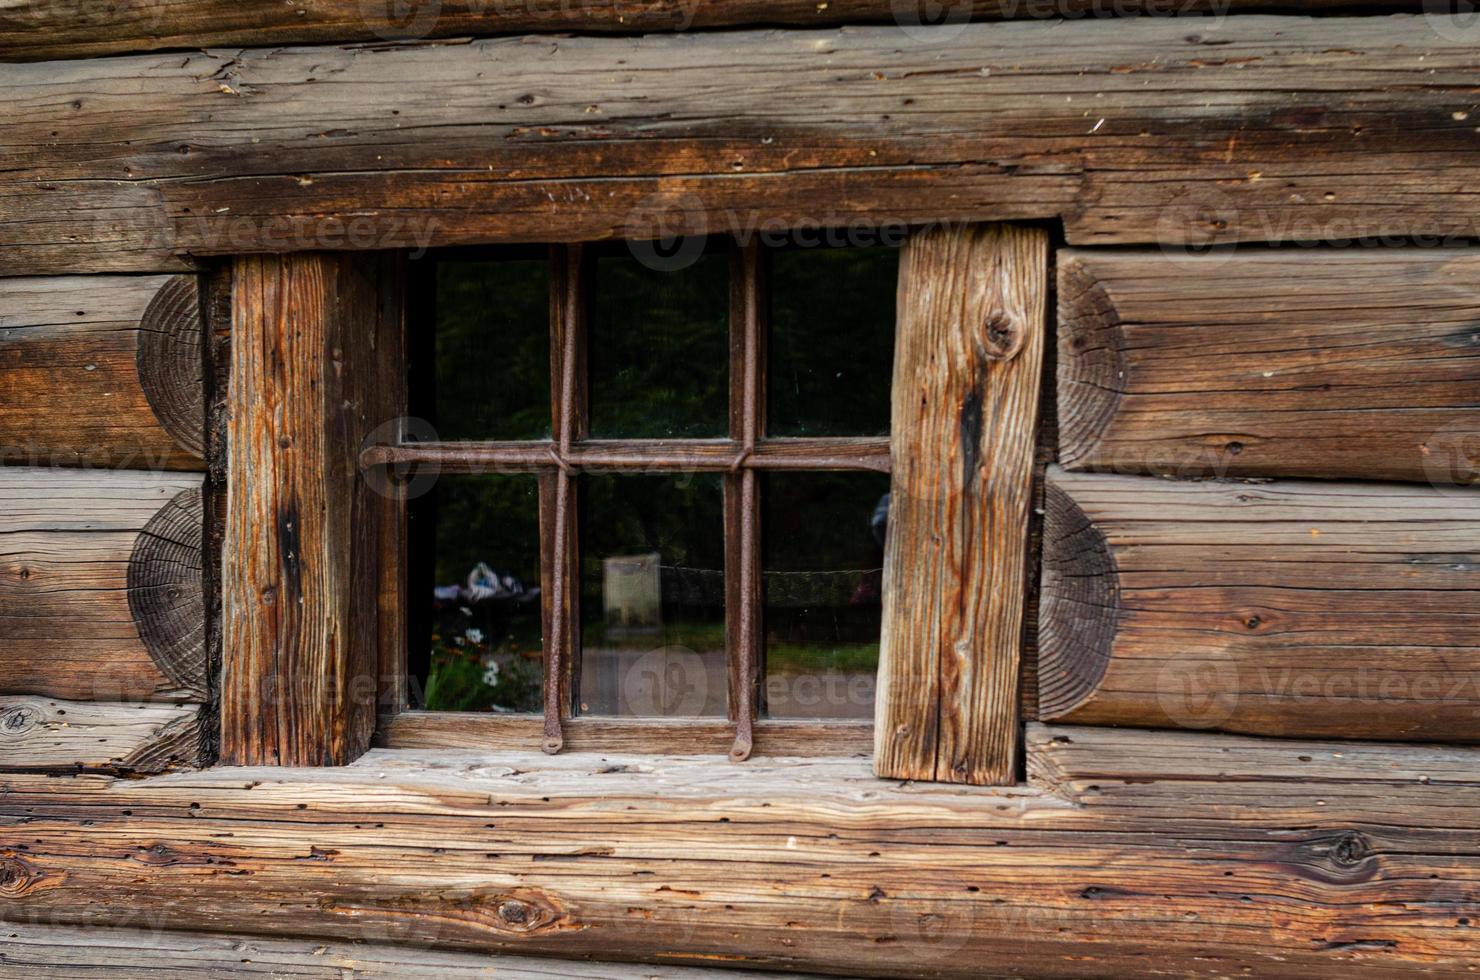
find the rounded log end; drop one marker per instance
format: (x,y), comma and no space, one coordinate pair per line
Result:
(1079,608)
(171,362)
(166,591)
(1091,364)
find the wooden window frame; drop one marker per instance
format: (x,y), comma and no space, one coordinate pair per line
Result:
(741,457)
(316,388)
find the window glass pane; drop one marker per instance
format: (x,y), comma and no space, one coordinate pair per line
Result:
(832,340)
(485,644)
(659,354)
(493,349)
(823,566)
(653,596)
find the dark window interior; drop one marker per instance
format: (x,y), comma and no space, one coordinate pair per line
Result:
(660,492)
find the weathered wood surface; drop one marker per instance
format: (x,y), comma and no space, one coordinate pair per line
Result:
(1342,610)
(53,952)
(100,587)
(1135,130)
(43,733)
(965,413)
(1131,854)
(301,557)
(33,30)
(1357,363)
(492,732)
(101,371)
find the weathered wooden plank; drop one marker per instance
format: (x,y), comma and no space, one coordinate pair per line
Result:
(100,590)
(42,733)
(965,411)
(1130,130)
(654,736)
(1133,854)
(1342,610)
(45,952)
(1341,363)
(302,553)
(101,371)
(33,30)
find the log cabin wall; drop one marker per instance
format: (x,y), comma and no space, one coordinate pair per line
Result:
(1249,664)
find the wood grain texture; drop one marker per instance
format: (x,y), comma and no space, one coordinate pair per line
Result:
(100,596)
(1344,610)
(32,30)
(48,952)
(967,366)
(1360,363)
(651,736)
(1131,854)
(101,371)
(302,553)
(47,734)
(1135,130)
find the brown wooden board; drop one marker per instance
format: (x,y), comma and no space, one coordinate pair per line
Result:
(43,952)
(42,29)
(1359,363)
(100,585)
(101,371)
(1180,130)
(302,556)
(1344,610)
(1130,854)
(654,736)
(965,412)
(47,734)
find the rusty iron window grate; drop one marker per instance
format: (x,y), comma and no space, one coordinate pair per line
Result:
(740,457)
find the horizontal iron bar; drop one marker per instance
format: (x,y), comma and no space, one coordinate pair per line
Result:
(717,455)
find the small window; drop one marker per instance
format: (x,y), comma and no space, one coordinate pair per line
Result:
(660,493)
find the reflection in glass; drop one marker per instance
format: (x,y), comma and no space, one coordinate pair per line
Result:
(659,349)
(823,568)
(832,340)
(485,645)
(493,349)
(652,596)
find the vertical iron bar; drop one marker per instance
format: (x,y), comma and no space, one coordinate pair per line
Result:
(568,318)
(742,496)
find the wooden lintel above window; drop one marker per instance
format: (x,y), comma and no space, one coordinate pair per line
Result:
(1137,130)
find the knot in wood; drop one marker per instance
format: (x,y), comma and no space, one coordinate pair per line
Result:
(17,877)
(514,912)
(18,719)
(1004,336)
(1350,850)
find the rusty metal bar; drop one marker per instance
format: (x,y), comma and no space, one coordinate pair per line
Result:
(712,455)
(569,267)
(742,495)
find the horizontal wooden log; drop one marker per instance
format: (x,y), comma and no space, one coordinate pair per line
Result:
(32,30)
(1342,610)
(1132,854)
(494,732)
(1343,363)
(1133,130)
(101,371)
(40,733)
(100,594)
(43,952)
